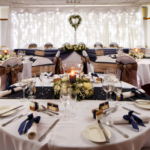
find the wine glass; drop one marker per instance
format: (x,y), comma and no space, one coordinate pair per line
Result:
(73,99)
(65,99)
(105,87)
(32,83)
(23,84)
(42,77)
(110,87)
(117,88)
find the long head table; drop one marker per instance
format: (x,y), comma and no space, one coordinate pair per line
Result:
(50,53)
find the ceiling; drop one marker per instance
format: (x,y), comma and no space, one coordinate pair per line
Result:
(72,2)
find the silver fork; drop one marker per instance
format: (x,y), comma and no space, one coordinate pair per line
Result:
(112,111)
(110,125)
(17,117)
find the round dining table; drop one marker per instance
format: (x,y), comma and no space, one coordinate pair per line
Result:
(68,135)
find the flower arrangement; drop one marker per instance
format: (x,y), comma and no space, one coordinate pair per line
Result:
(70,48)
(75,25)
(83,87)
(4,57)
(135,56)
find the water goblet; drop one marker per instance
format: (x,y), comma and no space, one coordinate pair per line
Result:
(105,87)
(117,88)
(110,87)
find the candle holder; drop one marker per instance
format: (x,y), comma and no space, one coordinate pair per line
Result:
(136,50)
(5,51)
(72,77)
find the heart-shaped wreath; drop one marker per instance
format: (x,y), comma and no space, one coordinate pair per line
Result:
(75,25)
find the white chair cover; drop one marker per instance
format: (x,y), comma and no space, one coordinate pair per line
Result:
(11,62)
(81,43)
(42,61)
(125,59)
(66,44)
(90,68)
(114,44)
(57,54)
(98,45)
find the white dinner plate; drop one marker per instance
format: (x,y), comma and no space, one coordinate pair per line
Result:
(6,108)
(95,134)
(145,106)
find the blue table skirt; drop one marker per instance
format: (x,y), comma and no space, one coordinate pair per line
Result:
(50,53)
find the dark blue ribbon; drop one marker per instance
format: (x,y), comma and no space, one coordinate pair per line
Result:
(52,105)
(136,91)
(26,126)
(50,75)
(132,118)
(95,74)
(36,105)
(32,59)
(11,88)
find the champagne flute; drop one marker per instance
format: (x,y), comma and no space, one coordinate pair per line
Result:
(110,87)
(117,88)
(65,99)
(73,99)
(105,87)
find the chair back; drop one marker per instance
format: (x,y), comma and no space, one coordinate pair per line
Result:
(66,44)
(32,45)
(39,53)
(48,45)
(99,52)
(125,59)
(9,62)
(113,44)
(81,43)
(42,62)
(98,45)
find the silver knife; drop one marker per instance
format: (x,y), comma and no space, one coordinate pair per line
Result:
(45,134)
(11,110)
(40,79)
(102,128)
(130,110)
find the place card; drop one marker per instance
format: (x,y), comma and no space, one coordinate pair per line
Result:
(57,79)
(34,105)
(120,97)
(104,106)
(97,113)
(52,106)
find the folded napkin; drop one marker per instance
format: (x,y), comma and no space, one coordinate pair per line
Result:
(33,130)
(32,59)
(133,92)
(95,75)
(118,119)
(133,119)
(47,74)
(27,124)
(9,91)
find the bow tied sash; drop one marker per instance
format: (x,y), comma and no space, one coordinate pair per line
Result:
(12,72)
(26,125)
(126,71)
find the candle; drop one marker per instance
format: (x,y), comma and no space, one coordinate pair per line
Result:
(72,77)
(136,50)
(5,52)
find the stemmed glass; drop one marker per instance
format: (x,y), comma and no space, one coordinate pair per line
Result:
(105,87)
(73,99)
(117,88)
(42,70)
(65,99)
(32,83)
(23,84)
(110,87)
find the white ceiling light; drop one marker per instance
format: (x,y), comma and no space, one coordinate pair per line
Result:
(73,1)
(130,1)
(18,2)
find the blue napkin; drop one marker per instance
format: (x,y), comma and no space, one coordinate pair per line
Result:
(26,126)
(132,118)
(10,88)
(49,75)
(32,59)
(138,93)
(94,74)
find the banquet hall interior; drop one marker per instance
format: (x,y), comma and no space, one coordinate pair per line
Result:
(75,74)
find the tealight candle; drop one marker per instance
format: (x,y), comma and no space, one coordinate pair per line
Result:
(5,52)
(72,77)
(136,50)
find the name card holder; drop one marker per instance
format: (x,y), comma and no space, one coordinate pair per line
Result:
(104,106)
(97,113)
(53,107)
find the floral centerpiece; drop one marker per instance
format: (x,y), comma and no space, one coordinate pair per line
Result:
(4,56)
(135,55)
(70,48)
(83,87)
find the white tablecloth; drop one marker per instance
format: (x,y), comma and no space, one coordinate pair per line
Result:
(69,135)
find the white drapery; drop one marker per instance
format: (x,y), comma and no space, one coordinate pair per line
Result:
(105,24)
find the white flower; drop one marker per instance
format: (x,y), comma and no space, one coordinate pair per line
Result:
(58,88)
(87,85)
(65,78)
(86,92)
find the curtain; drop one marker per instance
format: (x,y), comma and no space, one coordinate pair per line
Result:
(105,24)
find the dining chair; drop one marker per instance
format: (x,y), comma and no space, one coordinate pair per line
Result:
(66,44)
(32,45)
(98,45)
(126,66)
(113,44)
(11,62)
(81,43)
(43,62)
(48,45)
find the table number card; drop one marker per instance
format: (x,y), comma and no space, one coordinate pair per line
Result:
(104,106)
(52,106)
(97,113)
(34,105)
